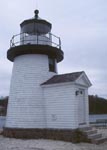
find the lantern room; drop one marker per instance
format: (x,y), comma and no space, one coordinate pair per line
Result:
(36,31)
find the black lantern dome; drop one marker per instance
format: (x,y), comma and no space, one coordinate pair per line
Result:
(36,25)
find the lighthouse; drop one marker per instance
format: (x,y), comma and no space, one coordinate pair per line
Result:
(35,56)
(40,99)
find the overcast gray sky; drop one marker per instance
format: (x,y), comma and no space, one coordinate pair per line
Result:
(82,26)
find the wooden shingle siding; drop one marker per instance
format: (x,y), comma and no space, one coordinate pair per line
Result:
(25,108)
(34,105)
(60,107)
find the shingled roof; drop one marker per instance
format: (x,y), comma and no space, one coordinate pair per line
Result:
(70,77)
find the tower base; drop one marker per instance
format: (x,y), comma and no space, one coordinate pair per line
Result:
(71,135)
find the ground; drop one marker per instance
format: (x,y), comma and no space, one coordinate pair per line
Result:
(41,144)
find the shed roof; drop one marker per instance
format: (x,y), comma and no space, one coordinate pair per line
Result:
(69,77)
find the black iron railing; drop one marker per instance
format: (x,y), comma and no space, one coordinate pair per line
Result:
(24,39)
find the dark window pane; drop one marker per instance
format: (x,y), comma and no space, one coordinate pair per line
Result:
(52,66)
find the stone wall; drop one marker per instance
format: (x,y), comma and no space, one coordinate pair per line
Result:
(54,134)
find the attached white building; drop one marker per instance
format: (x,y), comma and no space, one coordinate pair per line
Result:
(66,100)
(39,97)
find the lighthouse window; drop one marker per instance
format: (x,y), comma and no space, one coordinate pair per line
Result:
(52,66)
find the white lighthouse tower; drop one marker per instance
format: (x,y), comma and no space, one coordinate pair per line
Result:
(35,56)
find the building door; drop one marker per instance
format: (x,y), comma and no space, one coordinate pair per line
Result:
(81,107)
